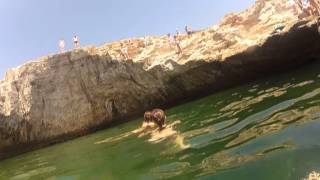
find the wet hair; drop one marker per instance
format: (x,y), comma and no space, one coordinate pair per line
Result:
(159,117)
(148,117)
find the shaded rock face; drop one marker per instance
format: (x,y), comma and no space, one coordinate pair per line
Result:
(71,94)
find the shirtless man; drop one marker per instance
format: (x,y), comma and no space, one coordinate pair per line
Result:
(148,121)
(147,125)
(166,131)
(76,42)
(177,43)
(188,30)
(159,118)
(171,40)
(124,51)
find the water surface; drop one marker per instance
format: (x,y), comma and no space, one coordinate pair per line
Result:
(269,129)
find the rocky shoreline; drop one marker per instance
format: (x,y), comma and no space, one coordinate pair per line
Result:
(63,96)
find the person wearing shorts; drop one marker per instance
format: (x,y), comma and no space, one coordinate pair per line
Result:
(76,42)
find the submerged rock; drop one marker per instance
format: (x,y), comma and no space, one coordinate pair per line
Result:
(66,95)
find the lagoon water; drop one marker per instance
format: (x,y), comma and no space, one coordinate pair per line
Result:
(268,129)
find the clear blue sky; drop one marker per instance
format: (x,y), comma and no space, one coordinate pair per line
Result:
(31,28)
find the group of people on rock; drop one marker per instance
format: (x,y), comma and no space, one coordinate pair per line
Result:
(62,44)
(174,41)
(76,44)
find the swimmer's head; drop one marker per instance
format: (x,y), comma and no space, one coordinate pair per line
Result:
(147,117)
(159,117)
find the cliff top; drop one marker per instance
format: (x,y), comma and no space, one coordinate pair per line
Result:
(233,35)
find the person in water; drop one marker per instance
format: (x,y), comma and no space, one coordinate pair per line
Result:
(148,120)
(148,124)
(166,131)
(152,120)
(159,118)
(146,127)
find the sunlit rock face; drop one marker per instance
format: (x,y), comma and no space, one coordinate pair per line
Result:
(65,95)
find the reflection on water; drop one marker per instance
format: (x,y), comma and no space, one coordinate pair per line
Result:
(31,173)
(313,176)
(269,128)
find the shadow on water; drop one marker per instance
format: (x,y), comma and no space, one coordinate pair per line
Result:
(269,128)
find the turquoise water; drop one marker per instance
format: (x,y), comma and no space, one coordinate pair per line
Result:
(269,129)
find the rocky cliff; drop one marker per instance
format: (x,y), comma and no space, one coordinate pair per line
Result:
(74,93)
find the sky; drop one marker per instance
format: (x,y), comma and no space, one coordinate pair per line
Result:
(30,29)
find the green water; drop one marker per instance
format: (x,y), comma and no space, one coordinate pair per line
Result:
(269,129)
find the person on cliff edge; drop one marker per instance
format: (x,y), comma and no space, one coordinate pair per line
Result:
(62,45)
(188,30)
(177,43)
(171,40)
(76,41)
(177,32)
(124,51)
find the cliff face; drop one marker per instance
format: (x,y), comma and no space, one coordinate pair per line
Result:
(74,93)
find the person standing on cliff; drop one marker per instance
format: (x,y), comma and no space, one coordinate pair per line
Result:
(62,45)
(76,42)
(146,41)
(124,51)
(177,43)
(171,40)
(188,30)
(178,32)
